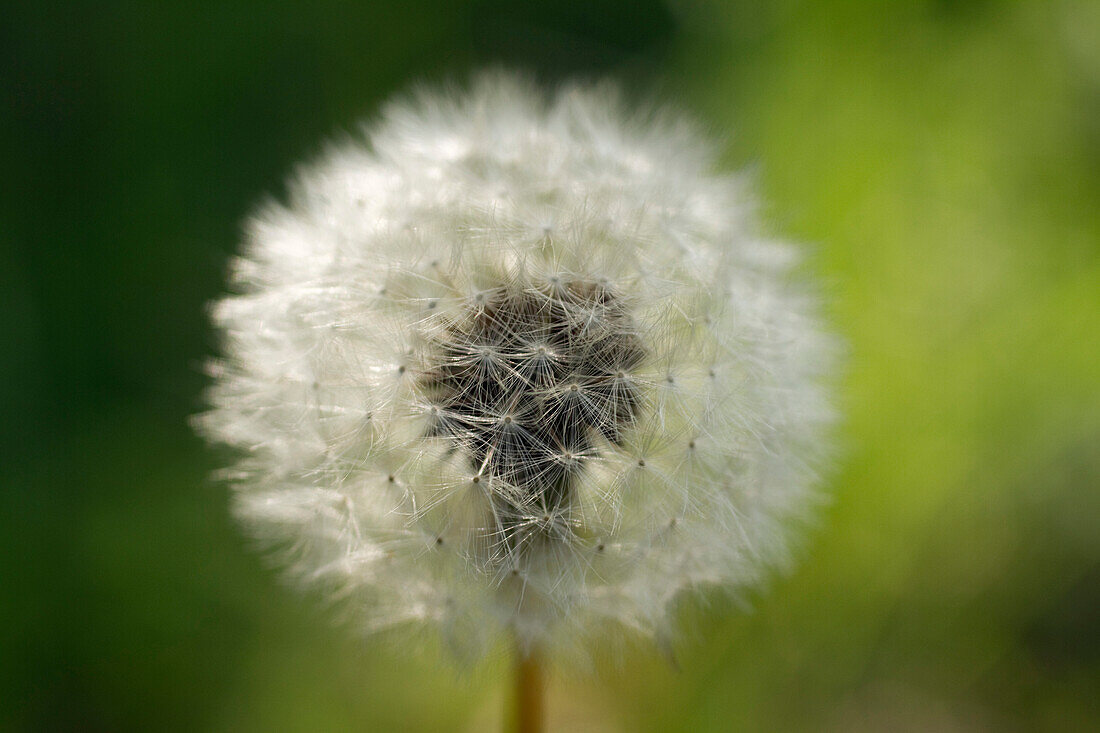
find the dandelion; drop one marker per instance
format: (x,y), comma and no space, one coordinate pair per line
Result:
(521,365)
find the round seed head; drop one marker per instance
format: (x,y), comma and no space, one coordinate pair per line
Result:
(449,410)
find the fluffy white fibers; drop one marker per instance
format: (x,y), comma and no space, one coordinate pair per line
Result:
(518,363)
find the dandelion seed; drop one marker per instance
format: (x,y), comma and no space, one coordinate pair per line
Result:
(410,333)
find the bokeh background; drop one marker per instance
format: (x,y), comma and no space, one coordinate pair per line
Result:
(941,158)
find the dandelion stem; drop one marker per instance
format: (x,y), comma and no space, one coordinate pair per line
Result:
(530,691)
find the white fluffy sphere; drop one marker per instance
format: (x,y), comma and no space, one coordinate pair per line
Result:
(518,363)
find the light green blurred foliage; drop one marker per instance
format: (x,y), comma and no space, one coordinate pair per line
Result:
(940,159)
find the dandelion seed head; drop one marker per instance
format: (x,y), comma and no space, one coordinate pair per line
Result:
(519,362)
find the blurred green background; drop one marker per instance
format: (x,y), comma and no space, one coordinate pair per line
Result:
(943,158)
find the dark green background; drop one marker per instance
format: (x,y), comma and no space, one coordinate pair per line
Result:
(943,158)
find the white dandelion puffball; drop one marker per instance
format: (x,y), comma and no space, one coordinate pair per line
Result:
(518,363)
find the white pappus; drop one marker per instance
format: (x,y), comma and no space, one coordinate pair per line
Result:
(518,362)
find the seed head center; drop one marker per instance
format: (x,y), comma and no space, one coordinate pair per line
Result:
(522,449)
